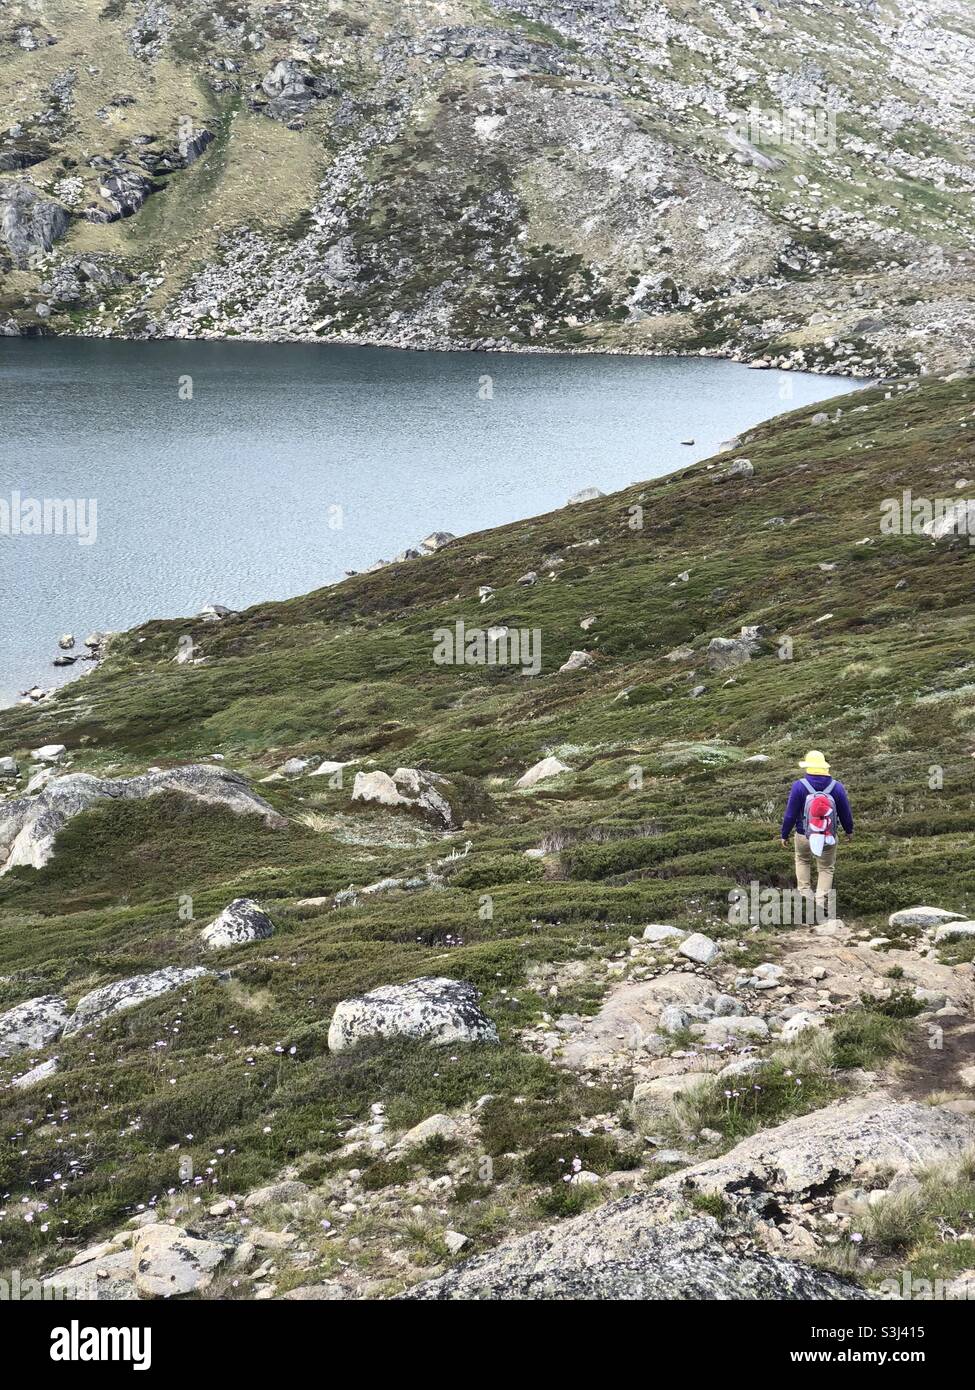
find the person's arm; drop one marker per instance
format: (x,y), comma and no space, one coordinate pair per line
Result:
(843,808)
(793,809)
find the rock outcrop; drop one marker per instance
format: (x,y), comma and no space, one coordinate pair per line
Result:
(93,1008)
(291,86)
(815,1152)
(123,190)
(168,1261)
(29,825)
(432,1009)
(628,1021)
(29,223)
(633,1250)
(725,653)
(447,800)
(32,1025)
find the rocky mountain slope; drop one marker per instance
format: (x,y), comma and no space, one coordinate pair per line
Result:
(332,968)
(789,182)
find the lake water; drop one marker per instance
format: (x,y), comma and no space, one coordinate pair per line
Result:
(237,472)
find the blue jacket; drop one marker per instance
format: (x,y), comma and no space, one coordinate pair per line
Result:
(797,802)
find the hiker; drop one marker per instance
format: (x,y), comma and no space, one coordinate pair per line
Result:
(815,804)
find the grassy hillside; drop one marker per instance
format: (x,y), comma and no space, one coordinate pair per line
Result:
(658,818)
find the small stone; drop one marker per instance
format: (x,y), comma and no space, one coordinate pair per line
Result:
(800,1023)
(50,753)
(578,661)
(700,949)
(548,767)
(433,1127)
(275,1194)
(659,932)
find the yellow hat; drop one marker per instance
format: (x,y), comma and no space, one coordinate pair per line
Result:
(814,761)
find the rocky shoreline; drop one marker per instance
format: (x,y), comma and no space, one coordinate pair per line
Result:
(394,341)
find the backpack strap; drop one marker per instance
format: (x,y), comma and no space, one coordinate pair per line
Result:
(809,786)
(826,790)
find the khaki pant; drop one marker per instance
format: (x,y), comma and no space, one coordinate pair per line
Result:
(822,902)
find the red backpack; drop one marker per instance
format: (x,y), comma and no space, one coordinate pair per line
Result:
(819,812)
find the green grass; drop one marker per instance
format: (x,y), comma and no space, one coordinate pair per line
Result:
(926,1231)
(804,1076)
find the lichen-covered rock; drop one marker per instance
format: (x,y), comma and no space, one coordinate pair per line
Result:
(29,825)
(432,1009)
(242,920)
(107,1277)
(953,931)
(100,1004)
(32,1025)
(168,1261)
(923,917)
(827,1145)
(448,800)
(633,1250)
(433,1127)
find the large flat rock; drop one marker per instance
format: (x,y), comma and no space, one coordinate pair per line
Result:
(820,1150)
(633,1250)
